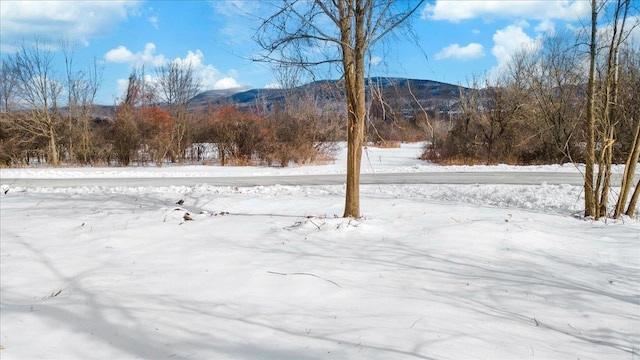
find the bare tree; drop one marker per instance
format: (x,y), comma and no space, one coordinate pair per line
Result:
(288,78)
(8,84)
(630,128)
(554,80)
(81,87)
(8,141)
(605,112)
(38,91)
(176,86)
(348,28)
(125,135)
(140,91)
(590,120)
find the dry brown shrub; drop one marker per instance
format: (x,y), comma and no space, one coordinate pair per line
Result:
(324,160)
(241,161)
(386,144)
(460,161)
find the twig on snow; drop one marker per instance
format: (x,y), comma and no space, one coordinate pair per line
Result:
(415,322)
(302,273)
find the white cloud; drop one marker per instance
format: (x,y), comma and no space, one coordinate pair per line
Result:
(155,21)
(455,51)
(119,55)
(632,25)
(145,57)
(508,41)
(273,85)
(210,77)
(193,59)
(226,83)
(546,27)
(375,60)
(456,11)
(121,89)
(53,20)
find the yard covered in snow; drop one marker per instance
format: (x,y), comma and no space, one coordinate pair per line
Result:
(429,272)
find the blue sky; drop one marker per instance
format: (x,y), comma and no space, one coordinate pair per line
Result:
(458,39)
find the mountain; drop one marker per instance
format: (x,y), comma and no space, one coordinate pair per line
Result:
(400,93)
(431,95)
(213,95)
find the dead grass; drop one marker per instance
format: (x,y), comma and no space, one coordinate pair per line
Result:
(241,161)
(474,161)
(385,144)
(324,160)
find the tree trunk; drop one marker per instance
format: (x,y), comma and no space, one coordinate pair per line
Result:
(355,139)
(611,100)
(607,159)
(222,155)
(353,62)
(634,201)
(294,28)
(85,137)
(589,195)
(53,148)
(629,171)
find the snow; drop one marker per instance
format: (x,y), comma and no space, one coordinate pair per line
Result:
(271,272)
(375,160)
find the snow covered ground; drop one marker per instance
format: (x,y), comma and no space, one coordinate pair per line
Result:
(375,160)
(429,272)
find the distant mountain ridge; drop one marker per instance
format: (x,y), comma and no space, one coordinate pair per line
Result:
(431,94)
(403,93)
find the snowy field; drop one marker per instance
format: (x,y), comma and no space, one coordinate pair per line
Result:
(374,160)
(429,272)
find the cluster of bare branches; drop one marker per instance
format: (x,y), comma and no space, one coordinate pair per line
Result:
(247,137)
(396,114)
(345,31)
(35,125)
(146,132)
(153,123)
(612,124)
(31,86)
(561,102)
(490,126)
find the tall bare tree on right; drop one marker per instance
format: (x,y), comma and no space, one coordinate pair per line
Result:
(605,113)
(346,30)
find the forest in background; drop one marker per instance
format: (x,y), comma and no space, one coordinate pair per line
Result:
(532,112)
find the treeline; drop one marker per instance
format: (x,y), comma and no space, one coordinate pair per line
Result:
(534,110)
(153,124)
(50,119)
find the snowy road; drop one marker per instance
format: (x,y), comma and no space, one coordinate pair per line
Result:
(495,177)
